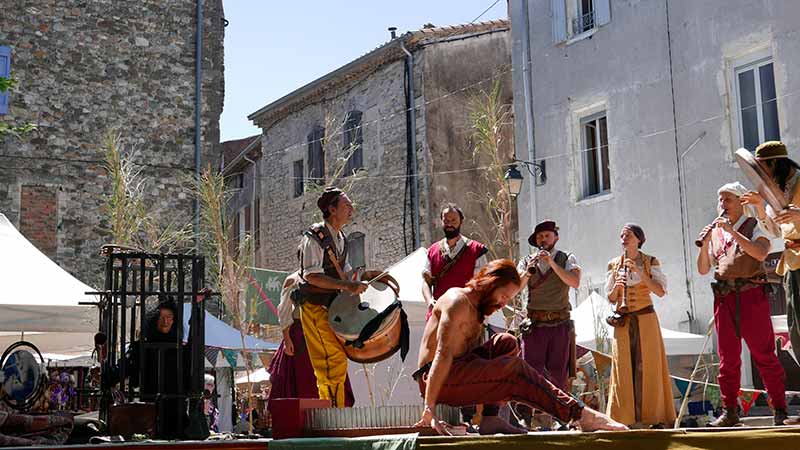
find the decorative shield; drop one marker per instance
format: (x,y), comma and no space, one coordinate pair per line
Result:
(23,375)
(760,178)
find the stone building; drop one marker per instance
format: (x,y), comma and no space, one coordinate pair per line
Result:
(361,108)
(88,67)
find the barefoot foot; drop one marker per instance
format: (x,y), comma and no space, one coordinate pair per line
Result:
(494,425)
(592,420)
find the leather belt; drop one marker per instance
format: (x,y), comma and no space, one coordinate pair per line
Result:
(548,316)
(639,312)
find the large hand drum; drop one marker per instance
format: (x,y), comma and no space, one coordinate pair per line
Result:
(369,326)
(760,178)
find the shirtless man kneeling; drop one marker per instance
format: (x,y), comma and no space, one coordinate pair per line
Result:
(457,372)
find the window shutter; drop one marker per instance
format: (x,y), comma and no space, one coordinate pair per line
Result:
(5,72)
(602,12)
(353,136)
(559,20)
(316,156)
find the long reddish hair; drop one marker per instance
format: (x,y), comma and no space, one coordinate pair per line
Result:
(495,275)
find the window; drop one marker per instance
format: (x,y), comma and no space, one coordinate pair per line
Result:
(316,156)
(297,177)
(757,103)
(573,18)
(597,176)
(584,17)
(5,72)
(355,250)
(352,143)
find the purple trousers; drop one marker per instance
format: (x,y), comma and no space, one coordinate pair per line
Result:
(293,376)
(547,349)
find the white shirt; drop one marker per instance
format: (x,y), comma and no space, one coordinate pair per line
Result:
(287,310)
(311,253)
(543,267)
(634,278)
(757,233)
(453,251)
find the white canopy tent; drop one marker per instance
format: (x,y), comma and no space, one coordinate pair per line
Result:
(36,294)
(592,313)
(257,376)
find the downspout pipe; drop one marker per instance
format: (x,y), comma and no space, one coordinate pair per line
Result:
(198,82)
(528,105)
(412,124)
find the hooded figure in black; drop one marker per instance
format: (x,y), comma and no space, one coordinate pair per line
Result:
(160,383)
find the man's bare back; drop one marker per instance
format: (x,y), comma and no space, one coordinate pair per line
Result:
(458,307)
(461,372)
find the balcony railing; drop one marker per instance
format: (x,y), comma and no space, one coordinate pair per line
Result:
(583,23)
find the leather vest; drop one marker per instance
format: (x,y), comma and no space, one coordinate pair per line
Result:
(320,234)
(735,262)
(550,294)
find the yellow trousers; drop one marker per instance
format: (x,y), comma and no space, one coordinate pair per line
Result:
(327,355)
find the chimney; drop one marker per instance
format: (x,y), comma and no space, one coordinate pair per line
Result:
(393,32)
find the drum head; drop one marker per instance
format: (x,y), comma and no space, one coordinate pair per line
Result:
(23,375)
(759,177)
(348,314)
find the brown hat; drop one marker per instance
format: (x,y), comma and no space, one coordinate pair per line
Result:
(328,198)
(545,225)
(771,150)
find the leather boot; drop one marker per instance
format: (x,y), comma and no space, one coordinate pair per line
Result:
(779,417)
(729,418)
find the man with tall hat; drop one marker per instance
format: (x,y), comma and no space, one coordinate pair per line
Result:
(735,247)
(451,263)
(324,273)
(774,157)
(548,334)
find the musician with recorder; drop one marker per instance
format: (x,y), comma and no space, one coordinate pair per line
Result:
(640,393)
(735,246)
(777,208)
(548,334)
(324,273)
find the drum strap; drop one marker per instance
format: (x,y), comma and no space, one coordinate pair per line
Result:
(372,326)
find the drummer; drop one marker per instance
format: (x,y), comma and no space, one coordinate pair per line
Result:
(785,223)
(325,272)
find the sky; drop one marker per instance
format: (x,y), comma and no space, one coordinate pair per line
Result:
(273,47)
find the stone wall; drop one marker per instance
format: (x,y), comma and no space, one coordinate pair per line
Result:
(378,194)
(442,70)
(457,74)
(88,67)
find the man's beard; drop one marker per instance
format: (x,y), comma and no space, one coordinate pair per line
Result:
(451,232)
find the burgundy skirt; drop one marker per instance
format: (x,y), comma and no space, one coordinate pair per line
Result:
(293,376)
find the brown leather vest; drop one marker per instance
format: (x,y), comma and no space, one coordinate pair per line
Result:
(552,294)
(735,262)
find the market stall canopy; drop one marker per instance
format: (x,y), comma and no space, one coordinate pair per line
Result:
(36,294)
(258,376)
(590,320)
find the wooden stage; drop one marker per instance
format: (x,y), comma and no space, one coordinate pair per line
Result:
(761,438)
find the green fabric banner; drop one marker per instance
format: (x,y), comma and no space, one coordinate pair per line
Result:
(263,294)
